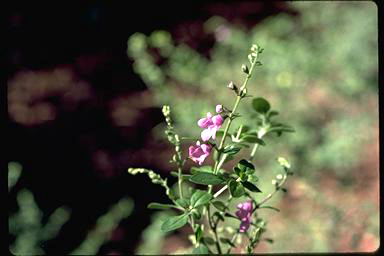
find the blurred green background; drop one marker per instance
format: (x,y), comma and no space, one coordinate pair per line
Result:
(320,71)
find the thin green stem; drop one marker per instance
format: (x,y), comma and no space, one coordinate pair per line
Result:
(238,98)
(213,227)
(260,134)
(269,196)
(179,165)
(233,240)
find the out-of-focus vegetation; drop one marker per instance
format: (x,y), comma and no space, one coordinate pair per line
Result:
(321,68)
(31,234)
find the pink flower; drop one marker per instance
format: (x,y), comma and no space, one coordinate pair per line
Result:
(199,152)
(219,108)
(211,125)
(244,214)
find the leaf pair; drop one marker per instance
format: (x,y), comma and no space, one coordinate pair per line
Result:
(198,198)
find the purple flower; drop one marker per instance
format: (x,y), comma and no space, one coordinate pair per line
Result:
(219,108)
(199,152)
(211,125)
(244,214)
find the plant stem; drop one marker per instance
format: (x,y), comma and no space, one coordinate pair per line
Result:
(238,98)
(233,240)
(179,164)
(260,134)
(269,196)
(213,227)
(223,189)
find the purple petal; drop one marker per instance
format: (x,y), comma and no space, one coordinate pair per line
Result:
(217,120)
(203,122)
(219,108)
(206,134)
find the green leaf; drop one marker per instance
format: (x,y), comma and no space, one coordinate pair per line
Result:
(174,222)
(183,176)
(183,202)
(243,164)
(200,197)
(238,171)
(272,113)
(161,206)
(228,158)
(253,139)
(279,128)
(206,179)
(250,186)
(201,249)
(236,189)
(196,214)
(227,241)
(208,240)
(223,175)
(260,105)
(198,234)
(219,205)
(231,150)
(205,168)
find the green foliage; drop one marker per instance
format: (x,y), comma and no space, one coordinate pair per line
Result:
(201,249)
(161,206)
(236,188)
(206,179)
(26,224)
(31,233)
(260,105)
(175,222)
(200,197)
(104,227)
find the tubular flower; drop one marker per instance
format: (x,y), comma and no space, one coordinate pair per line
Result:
(199,152)
(211,124)
(244,214)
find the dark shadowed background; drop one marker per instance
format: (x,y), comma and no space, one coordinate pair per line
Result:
(85,85)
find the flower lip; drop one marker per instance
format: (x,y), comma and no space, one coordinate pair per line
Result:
(211,125)
(199,152)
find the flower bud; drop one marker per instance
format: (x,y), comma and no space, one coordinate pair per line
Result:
(231,85)
(243,92)
(279,176)
(245,69)
(219,108)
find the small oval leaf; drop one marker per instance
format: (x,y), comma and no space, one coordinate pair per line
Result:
(243,164)
(205,178)
(183,202)
(250,186)
(219,205)
(200,197)
(236,189)
(260,105)
(160,206)
(174,222)
(208,240)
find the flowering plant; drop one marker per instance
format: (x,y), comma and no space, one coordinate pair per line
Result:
(204,208)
